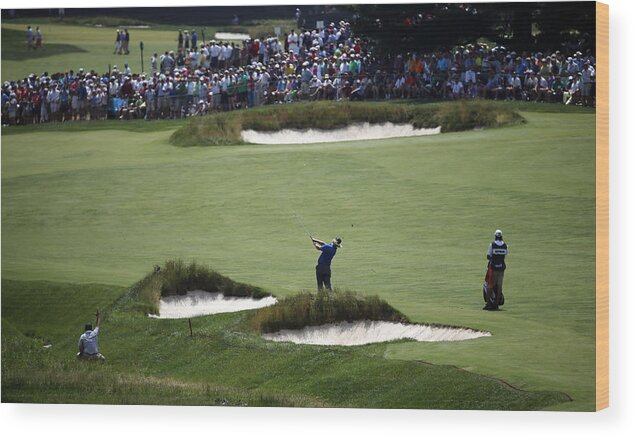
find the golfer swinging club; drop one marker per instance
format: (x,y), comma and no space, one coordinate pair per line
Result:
(328,251)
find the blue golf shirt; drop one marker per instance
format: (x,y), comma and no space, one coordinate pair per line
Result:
(328,252)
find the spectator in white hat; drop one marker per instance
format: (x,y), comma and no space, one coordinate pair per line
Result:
(588,78)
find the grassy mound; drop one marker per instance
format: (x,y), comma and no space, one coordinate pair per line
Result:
(177,278)
(225,128)
(309,309)
(152,362)
(32,374)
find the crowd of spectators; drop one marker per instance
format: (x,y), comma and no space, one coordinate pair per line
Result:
(329,63)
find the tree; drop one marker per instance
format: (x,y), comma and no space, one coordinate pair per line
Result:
(432,26)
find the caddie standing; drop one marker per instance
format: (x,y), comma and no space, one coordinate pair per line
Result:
(496,254)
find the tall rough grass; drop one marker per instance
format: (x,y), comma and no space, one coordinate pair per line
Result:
(225,128)
(177,278)
(460,116)
(105,21)
(33,374)
(310,309)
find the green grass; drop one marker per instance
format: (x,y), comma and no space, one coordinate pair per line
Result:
(78,43)
(104,205)
(15,41)
(136,126)
(34,374)
(308,309)
(225,128)
(89,48)
(157,362)
(177,278)
(31,306)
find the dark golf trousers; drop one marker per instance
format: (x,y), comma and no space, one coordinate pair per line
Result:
(323,276)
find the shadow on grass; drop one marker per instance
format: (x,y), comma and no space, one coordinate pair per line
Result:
(14,47)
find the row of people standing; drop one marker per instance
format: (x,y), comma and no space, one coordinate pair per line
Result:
(42,100)
(33,39)
(122,42)
(212,55)
(187,40)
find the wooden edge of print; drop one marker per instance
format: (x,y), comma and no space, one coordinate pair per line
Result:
(602,208)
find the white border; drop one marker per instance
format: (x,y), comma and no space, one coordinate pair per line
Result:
(64,420)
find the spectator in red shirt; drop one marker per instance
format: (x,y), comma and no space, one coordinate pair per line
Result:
(411,88)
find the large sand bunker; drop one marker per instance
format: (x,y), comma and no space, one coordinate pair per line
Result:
(364,332)
(200,303)
(230,35)
(354,132)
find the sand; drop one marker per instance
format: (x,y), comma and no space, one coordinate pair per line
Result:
(223,36)
(200,303)
(354,132)
(365,332)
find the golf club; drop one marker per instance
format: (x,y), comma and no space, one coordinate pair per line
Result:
(301,222)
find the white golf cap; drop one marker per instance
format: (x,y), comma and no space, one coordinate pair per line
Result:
(498,233)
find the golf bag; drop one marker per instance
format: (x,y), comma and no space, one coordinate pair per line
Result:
(488,285)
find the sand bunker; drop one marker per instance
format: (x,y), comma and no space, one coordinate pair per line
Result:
(359,131)
(200,303)
(228,35)
(364,332)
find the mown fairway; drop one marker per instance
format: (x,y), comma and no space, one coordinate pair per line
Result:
(416,215)
(73,46)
